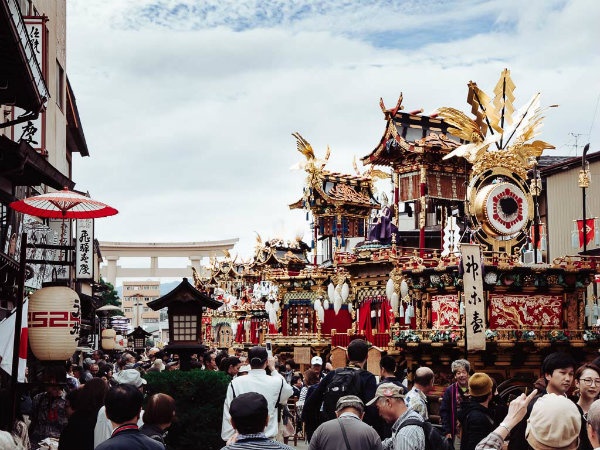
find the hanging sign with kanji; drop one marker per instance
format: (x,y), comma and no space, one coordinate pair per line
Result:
(473,296)
(84,249)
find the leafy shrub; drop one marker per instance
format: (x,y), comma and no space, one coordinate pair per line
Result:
(199,396)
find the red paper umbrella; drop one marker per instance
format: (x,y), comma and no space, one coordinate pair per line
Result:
(64,204)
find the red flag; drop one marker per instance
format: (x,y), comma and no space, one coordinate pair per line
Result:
(540,235)
(589,231)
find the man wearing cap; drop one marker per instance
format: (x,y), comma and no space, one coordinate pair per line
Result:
(316,364)
(103,429)
(474,416)
(274,388)
(249,417)
(347,430)
(389,400)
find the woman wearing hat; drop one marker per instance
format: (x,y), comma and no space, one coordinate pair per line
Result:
(474,416)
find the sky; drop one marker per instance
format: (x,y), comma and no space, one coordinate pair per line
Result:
(188,106)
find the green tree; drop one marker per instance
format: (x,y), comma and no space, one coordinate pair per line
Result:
(109,294)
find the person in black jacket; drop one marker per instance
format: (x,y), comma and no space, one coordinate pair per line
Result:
(357,357)
(473,414)
(558,369)
(85,402)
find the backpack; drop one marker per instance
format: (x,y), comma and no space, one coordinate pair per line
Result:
(345,381)
(434,439)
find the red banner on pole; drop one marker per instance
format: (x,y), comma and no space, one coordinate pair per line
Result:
(588,233)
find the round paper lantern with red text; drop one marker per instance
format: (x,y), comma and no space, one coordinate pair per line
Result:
(54,320)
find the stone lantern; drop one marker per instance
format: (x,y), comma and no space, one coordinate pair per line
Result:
(137,339)
(184,308)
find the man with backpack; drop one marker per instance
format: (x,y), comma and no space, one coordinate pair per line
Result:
(349,380)
(407,429)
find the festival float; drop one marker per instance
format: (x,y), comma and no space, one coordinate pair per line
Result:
(451,264)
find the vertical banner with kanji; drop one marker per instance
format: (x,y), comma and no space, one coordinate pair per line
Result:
(33,131)
(84,249)
(473,292)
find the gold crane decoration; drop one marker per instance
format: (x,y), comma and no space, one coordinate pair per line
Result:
(496,122)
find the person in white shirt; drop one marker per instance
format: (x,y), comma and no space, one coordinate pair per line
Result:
(274,388)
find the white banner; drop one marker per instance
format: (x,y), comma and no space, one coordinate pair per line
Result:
(33,131)
(84,249)
(473,292)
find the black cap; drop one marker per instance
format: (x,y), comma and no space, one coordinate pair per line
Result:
(247,405)
(257,355)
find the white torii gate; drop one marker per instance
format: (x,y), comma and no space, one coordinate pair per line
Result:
(195,251)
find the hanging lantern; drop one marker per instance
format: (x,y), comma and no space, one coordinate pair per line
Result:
(273,317)
(108,339)
(389,288)
(461,308)
(330,291)
(337,302)
(395,301)
(54,321)
(317,304)
(345,291)
(401,310)
(403,288)
(321,314)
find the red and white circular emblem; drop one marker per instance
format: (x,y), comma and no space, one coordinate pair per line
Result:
(506,208)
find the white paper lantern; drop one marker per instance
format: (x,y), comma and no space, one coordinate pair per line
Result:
(401,310)
(345,291)
(54,319)
(330,291)
(403,288)
(273,317)
(337,302)
(395,301)
(389,288)
(317,304)
(108,339)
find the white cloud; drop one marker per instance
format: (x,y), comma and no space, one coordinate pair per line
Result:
(189,121)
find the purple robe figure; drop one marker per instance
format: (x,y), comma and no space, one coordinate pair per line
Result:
(383,228)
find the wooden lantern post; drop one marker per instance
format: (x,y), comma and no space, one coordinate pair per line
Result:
(184,308)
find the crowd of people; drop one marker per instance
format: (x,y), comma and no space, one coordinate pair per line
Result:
(100,405)
(349,408)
